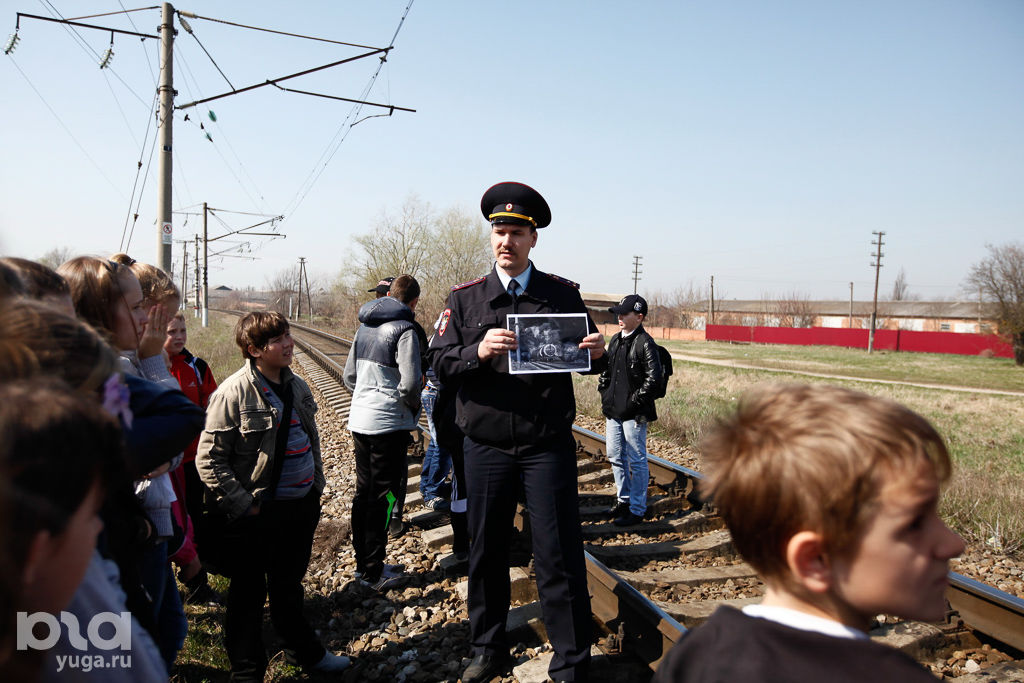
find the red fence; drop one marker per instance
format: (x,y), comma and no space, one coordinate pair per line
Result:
(888,340)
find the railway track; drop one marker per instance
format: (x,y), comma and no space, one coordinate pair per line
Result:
(652,582)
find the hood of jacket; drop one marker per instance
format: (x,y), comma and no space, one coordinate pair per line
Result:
(383,310)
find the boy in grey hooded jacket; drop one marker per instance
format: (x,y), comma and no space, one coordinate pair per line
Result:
(384,374)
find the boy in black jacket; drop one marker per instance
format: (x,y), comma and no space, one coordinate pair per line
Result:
(627,401)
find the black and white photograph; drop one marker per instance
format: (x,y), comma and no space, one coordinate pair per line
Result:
(548,343)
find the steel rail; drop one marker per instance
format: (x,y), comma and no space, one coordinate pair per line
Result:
(640,627)
(987,609)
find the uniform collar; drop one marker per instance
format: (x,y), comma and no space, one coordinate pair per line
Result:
(523,278)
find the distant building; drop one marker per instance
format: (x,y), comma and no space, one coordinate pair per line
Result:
(919,316)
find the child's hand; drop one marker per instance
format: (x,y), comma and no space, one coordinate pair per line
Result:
(152,342)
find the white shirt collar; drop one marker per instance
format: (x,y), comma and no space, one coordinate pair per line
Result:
(523,278)
(627,334)
(803,621)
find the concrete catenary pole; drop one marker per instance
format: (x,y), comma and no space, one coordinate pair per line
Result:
(165,233)
(849,324)
(874,306)
(206,272)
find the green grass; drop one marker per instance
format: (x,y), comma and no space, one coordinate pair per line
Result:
(934,368)
(984,432)
(215,344)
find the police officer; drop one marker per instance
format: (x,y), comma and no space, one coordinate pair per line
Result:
(518,428)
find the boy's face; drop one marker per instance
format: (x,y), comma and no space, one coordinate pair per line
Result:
(629,321)
(276,354)
(900,564)
(177,336)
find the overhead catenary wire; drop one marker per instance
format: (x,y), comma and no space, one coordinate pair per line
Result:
(188,29)
(281,33)
(188,74)
(343,130)
(64,126)
(82,43)
(138,170)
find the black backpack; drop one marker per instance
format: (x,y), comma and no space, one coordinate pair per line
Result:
(666,370)
(661,386)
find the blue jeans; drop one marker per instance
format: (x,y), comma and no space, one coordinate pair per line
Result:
(631,473)
(437,462)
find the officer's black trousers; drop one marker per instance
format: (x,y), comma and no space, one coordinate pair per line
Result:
(549,478)
(380,466)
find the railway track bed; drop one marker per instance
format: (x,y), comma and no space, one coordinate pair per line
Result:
(648,583)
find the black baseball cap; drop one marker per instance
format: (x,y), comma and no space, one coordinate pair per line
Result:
(383,287)
(633,303)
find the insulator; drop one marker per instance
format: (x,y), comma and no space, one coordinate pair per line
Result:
(107,56)
(213,117)
(12,43)
(184,24)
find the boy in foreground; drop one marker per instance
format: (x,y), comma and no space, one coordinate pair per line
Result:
(831,495)
(260,458)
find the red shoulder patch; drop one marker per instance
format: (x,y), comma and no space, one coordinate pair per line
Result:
(558,278)
(469,284)
(443,323)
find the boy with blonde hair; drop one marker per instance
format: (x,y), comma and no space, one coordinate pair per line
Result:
(832,496)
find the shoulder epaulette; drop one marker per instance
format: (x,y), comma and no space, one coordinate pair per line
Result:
(469,284)
(558,278)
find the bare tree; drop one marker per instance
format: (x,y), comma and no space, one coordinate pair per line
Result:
(677,308)
(900,288)
(56,256)
(1000,276)
(282,289)
(438,249)
(398,244)
(794,310)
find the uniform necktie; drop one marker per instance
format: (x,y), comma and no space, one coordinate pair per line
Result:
(513,289)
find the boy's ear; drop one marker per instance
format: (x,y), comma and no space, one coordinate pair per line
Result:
(808,561)
(40,551)
(254,352)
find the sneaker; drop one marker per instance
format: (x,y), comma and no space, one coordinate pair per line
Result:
(628,519)
(621,507)
(390,577)
(331,663)
(394,569)
(437,504)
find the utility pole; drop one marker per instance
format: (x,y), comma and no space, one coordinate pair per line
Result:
(877,265)
(711,302)
(184,272)
(206,271)
(309,296)
(298,309)
(304,277)
(165,234)
(196,278)
(849,324)
(636,271)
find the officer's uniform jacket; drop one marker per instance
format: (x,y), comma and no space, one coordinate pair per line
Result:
(505,411)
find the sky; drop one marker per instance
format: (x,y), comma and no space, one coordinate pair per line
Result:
(759,143)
